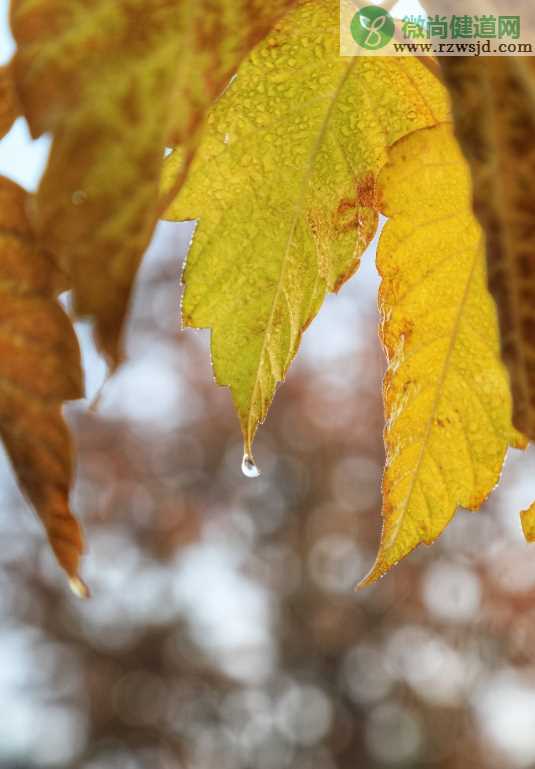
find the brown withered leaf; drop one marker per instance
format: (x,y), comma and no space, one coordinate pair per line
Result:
(115,82)
(39,369)
(494,108)
(8,100)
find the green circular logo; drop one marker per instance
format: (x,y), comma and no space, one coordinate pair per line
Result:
(372,27)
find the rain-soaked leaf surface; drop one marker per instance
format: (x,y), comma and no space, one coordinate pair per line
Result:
(446,393)
(284,186)
(115,82)
(297,158)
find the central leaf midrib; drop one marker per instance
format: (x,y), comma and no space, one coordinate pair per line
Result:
(295,218)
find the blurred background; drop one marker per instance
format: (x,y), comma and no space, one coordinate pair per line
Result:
(224,631)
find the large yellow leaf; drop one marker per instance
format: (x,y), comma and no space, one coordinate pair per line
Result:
(284,187)
(494,108)
(39,369)
(447,401)
(114,81)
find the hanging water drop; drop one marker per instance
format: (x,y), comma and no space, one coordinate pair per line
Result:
(248,467)
(79,588)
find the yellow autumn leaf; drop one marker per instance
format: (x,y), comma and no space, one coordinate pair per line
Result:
(527,519)
(39,369)
(8,100)
(494,110)
(284,187)
(114,82)
(446,392)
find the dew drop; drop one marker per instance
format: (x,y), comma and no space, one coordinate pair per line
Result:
(79,588)
(78,197)
(248,467)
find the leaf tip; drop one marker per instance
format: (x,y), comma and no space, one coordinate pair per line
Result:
(79,588)
(527,519)
(377,571)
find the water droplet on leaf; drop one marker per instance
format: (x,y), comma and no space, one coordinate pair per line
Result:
(248,467)
(78,197)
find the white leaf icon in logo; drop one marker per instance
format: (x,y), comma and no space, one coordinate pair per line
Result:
(373,27)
